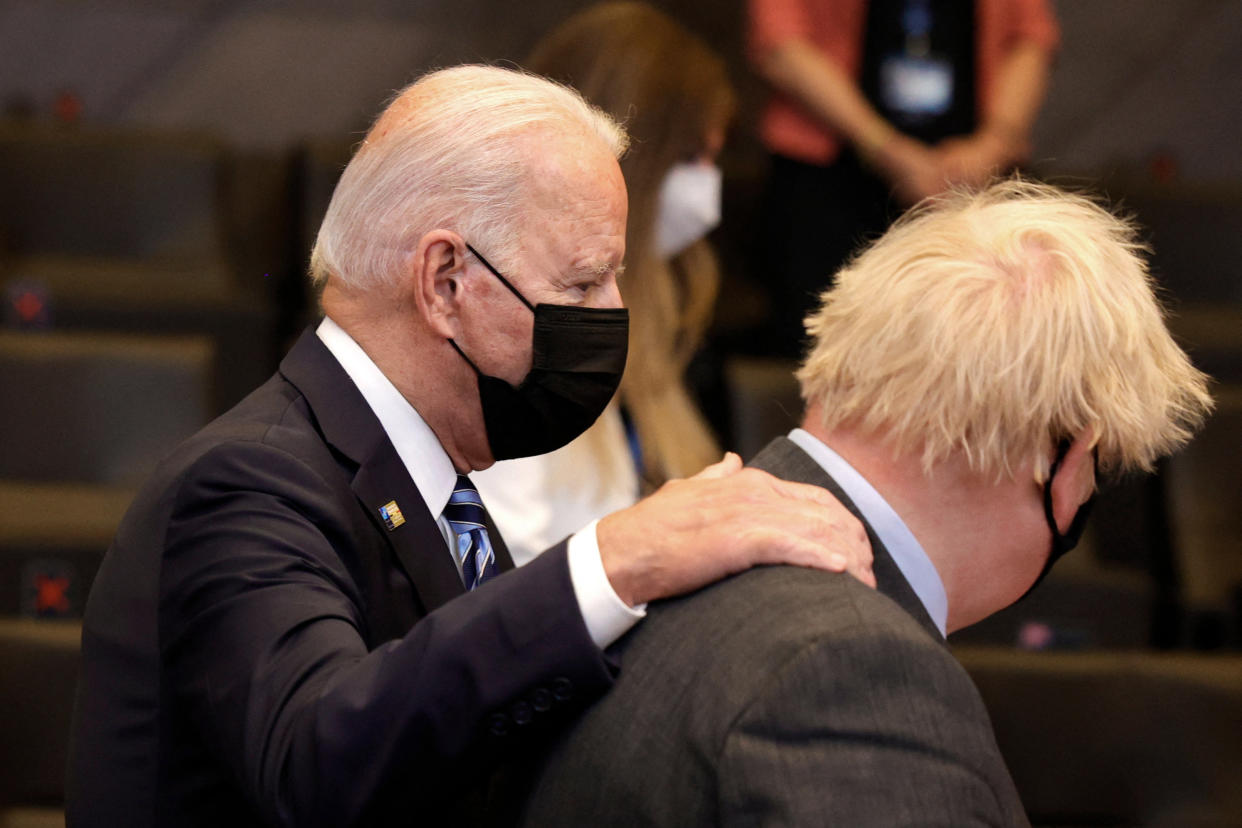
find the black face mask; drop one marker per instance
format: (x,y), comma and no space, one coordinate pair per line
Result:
(578,356)
(1061,543)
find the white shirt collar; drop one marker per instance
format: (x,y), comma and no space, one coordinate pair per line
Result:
(892,531)
(606,616)
(424,458)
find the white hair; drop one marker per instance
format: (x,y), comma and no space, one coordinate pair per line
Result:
(444,154)
(996,323)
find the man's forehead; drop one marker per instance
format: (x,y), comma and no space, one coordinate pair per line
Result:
(576,186)
(565,151)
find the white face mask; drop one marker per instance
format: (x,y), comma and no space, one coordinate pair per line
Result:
(689,207)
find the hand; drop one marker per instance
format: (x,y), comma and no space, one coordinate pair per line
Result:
(725,519)
(914,169)
(973,159)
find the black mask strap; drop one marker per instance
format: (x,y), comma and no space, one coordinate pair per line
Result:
(1061,543)
(504,282)
(462,353)
(502,279)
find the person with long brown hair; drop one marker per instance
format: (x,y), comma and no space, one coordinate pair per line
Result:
(673,95)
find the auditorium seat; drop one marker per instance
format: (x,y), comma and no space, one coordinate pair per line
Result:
(21,817)
(52,538)
(1084,603)
(1193,231)
(1212,335)
(319,164)
(1205,500)
(764,401)
(38,674)
(114,193)
(98,408)
(85,419)
(133,231)
(1117,738)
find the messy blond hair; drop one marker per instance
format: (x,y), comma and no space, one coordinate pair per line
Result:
(996,323)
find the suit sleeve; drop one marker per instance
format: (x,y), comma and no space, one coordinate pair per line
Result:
(261,630)
(878,727)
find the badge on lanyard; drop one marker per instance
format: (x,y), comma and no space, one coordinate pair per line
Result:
(917,81)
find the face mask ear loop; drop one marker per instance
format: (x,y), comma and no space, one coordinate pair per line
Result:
(1062,449)
(1061,543)
(462,354)
(1080,517)
(502,279)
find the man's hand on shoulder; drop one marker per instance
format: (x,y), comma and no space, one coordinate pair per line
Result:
(723,520)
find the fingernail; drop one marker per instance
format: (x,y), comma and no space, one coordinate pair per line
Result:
(839,563)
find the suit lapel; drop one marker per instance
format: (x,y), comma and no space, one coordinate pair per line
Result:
(349,425)
(783,458)
(416,541)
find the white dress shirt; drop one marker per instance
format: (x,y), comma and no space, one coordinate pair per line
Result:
(607,617)
(892,531)
(537,501)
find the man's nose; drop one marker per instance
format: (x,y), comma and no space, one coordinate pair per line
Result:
(610,295)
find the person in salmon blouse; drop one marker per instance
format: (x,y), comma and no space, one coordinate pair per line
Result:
(875,105)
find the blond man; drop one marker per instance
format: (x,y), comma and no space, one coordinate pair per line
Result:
(969,375)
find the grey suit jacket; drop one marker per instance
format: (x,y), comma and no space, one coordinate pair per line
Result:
(783,696)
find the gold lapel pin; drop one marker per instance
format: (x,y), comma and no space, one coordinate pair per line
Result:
(391,513)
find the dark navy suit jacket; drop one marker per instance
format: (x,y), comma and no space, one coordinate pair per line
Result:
(260,647)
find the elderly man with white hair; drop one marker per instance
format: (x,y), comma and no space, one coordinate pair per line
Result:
(968,376)
(307,617)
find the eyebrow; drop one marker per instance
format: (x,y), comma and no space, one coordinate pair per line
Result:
(595,271)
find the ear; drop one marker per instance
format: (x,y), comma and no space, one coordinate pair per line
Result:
(1075,480)
(438,265)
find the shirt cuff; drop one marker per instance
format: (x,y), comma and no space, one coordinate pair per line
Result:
(607,617)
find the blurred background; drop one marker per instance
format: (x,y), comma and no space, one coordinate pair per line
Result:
(163,170)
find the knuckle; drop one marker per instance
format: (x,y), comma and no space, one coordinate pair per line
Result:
(754,478)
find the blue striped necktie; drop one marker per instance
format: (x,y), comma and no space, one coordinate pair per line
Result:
(465,514)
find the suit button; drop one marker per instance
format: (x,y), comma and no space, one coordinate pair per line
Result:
(522,713)
(498,724)
(541,699)
(562,689)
